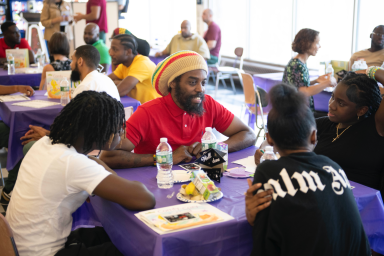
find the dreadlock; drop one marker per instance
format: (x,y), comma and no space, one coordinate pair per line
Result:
(128,41)
(95,116)
(363,91)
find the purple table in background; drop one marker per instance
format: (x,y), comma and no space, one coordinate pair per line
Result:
(133,237)
(19,118)
(267,81)
(19,79)
(157,60)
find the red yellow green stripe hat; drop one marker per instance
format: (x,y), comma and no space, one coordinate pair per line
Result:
(174,66)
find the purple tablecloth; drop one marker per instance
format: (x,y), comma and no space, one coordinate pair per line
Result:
(132,237)
(157,60)
(267,81)
(19,118)
(19,79)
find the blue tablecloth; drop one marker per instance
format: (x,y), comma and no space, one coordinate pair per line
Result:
(133,237)
(19,118)
(157,60)
(19,79)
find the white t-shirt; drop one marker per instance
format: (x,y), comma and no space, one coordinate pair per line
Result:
(52,183)
(98,82)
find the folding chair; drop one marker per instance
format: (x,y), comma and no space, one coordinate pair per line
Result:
(255,97)
(228,72)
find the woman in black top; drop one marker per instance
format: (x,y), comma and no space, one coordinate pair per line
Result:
(298,221)
(352,134)
(59,49)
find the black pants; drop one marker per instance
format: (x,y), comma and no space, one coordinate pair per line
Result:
(89,242)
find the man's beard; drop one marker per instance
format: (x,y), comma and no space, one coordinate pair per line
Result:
(186,101)
(75,75)
(92,41)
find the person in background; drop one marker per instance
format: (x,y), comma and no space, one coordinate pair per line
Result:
(181,116)
(59,49)
(212,37)
(54,13)
(91,37)
(355,121)
(4,137)
(295,210)
(12,40)
(134,71)
(143,47)
(373,56)
(306,44)
(96,13)
(56,177)
(85,61)
(186,41)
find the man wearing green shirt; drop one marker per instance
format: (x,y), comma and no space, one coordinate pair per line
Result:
(91,37)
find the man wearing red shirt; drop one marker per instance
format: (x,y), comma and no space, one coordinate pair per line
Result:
(181,116)
(96,13)
(13,40)
(212,36)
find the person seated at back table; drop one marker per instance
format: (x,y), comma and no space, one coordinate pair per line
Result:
(373,56)
(133,75)
(143,47)
(212,37)
(91,37)
(352,134)
(85,61)
(296,73)
(59,49)
(12,40)
(300,219)
(181,116)
(57,176)
(186,41)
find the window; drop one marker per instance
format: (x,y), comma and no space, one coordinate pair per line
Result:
(271,31)
(232,18)
(368,17)
(334,21)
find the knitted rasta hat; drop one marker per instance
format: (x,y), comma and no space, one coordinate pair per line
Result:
(174,66)
(119,31)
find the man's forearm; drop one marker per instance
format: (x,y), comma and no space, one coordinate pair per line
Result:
(120,159)
(240,141)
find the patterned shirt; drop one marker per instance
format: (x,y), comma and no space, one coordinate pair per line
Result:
(59,65)
(296,73)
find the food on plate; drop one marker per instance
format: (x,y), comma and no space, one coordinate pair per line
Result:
(191,193)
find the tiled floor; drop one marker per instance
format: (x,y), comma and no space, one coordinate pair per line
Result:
(224,96)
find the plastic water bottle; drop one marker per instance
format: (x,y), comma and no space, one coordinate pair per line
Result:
(39,58)
(209,139)
(64,88)
(164,164)
(11,64)
(268,154)
(330,70)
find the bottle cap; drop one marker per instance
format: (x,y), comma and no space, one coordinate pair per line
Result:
(163,140)
(208,129)
(268,148)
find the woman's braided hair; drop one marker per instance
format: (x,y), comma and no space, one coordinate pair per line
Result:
(363,91)
(95,116)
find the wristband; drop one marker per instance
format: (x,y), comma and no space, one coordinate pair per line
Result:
(154,160)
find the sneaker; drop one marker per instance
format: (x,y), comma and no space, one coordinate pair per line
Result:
(5,198)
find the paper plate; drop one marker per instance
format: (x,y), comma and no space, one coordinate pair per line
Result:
(180,176)
(237,173)
(183,199)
